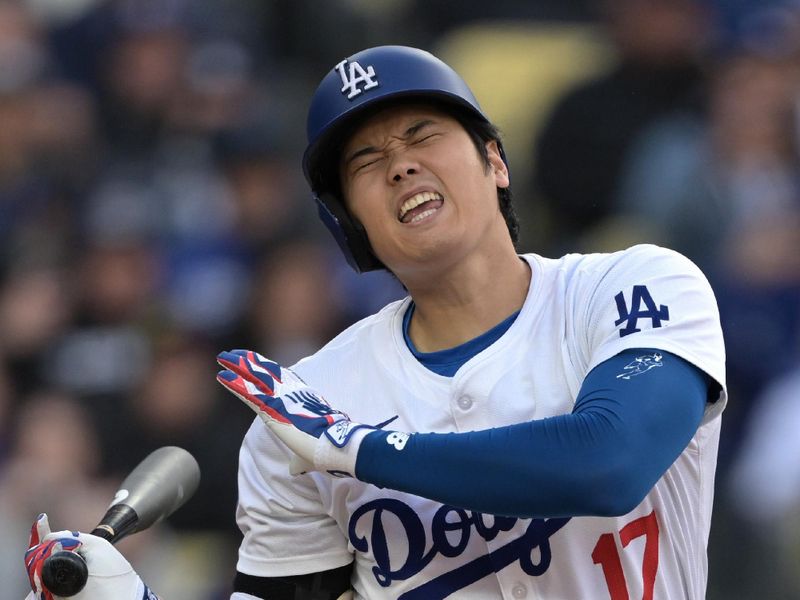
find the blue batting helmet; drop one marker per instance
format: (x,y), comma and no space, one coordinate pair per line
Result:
(365,79)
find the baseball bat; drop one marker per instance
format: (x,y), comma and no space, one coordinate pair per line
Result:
(156,488)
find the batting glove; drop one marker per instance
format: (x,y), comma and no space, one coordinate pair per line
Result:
(321,437)
(110,574)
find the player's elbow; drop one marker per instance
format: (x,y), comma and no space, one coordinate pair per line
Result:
(620,503)
(618,490)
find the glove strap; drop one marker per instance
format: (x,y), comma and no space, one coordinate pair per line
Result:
(337,449)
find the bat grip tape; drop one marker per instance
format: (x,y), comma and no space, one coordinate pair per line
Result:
(119,521)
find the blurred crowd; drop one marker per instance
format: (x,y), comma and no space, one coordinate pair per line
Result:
(153,212)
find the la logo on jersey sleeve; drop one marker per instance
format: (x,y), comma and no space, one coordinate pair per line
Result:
(642,307)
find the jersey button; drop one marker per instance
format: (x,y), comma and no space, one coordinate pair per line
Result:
(465,403)
(519,590)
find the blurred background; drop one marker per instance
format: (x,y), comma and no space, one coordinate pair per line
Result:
(153,213)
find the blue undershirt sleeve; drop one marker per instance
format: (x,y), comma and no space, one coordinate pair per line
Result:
(602,459)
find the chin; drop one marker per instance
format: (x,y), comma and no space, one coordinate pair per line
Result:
(432,259)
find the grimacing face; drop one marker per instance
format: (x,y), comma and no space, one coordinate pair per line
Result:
(413,178)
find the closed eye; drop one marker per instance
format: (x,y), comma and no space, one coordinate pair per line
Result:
(425,138)
(366,164)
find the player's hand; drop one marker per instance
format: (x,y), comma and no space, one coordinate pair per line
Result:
(322,438)
(110,574)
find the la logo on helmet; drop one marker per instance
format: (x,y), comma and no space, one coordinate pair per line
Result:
(355,75)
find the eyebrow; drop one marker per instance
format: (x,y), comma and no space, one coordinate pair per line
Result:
(413,129)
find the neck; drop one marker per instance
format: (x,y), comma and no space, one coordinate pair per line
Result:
(467,300)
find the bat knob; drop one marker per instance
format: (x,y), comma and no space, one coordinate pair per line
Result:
(64,573)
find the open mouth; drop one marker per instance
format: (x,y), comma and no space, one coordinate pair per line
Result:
(420,206)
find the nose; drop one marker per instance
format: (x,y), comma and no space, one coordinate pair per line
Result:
(402,167)
(399,176)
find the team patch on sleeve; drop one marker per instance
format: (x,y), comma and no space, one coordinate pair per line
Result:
(639,296)
(641,364)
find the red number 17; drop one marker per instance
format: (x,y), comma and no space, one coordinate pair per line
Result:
(606,555)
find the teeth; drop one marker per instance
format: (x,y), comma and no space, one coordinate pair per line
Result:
(422,215)
(415,201)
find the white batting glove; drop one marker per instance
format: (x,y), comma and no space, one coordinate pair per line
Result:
(322,438)
(110,574)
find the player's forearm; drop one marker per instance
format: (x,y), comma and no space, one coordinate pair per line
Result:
(602,459)
(538,469)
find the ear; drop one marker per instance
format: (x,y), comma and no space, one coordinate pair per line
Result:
(497,164)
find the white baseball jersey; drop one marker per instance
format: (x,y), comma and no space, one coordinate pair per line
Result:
(579,311)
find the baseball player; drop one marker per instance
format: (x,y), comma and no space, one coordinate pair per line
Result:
(517,427)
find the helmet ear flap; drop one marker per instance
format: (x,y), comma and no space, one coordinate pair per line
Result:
(349,234)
